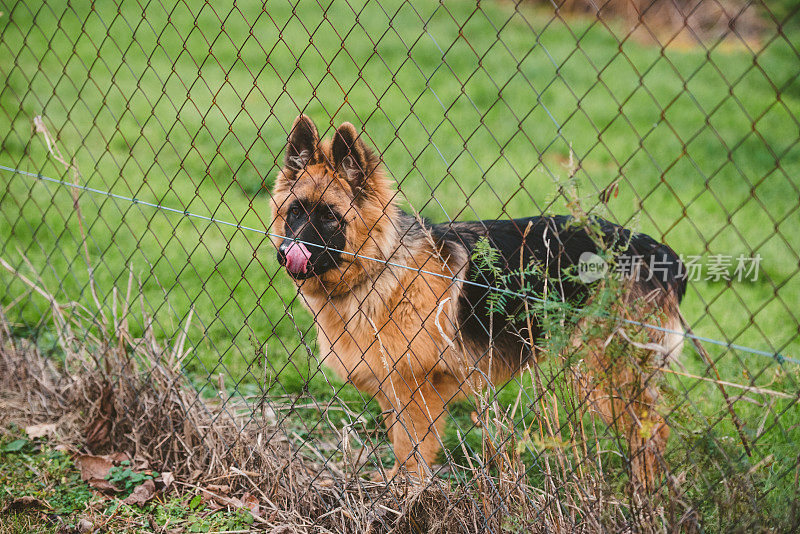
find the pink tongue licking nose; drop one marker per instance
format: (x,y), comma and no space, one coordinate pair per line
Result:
(297,256)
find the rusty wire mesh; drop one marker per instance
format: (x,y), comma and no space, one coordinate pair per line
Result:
(140,147)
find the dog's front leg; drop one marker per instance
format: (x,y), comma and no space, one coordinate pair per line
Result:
(415,422)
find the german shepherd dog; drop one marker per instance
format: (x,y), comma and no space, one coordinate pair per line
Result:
(397,316)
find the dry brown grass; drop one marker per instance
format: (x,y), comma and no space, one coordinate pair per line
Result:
(118,393)
(115,392)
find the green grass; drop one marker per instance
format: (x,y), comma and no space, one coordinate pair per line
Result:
(38,470)
(474,115)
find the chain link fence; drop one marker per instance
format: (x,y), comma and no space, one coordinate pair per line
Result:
(141,145)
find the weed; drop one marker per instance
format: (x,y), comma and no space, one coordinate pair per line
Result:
(126,479)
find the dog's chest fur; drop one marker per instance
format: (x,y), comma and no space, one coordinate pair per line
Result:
(394,320)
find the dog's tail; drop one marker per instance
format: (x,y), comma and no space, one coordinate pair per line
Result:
(675,329)
(664,279)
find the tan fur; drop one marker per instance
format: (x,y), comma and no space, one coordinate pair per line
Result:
(392,331)
(623,387)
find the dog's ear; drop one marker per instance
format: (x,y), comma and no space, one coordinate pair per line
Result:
(351,157)
(301,149)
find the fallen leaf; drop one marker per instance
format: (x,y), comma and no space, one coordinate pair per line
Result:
(103,485)
(40,431)
(93,466)
(117,457)
(250,502)
(25,503)
(208,497)
(140,464)
(166,479)
(214,505)
(215,501)
(98,432)
(219,488)
(141,493)
(94,470)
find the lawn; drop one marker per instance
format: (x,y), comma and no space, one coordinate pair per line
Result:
(475,112)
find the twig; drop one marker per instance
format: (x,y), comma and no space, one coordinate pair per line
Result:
(710,362)
(52,147)
(752,389)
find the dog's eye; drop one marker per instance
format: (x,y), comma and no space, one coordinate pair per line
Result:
(328,217)
(294,211)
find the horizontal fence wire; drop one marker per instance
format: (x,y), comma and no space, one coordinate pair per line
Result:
(776,356)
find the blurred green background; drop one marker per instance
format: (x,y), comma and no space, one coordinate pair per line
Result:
(474,111)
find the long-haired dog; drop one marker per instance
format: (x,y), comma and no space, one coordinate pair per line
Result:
(400,315)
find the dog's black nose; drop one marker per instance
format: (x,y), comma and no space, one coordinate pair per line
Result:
(282,254)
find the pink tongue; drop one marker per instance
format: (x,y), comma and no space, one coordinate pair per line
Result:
(297,256)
